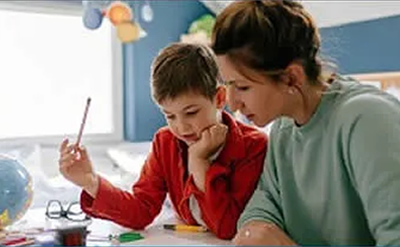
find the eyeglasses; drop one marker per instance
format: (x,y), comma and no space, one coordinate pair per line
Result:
(73,212)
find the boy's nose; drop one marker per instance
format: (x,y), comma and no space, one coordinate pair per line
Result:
(184,127)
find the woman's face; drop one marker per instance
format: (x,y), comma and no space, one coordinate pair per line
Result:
(260,100)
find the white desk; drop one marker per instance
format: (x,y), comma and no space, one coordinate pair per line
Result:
(153,234)
(156,235)
(44,166)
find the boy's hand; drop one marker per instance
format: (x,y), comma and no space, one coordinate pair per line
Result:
(75,165)
(210,141)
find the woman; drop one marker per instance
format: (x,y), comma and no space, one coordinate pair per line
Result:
(332,172)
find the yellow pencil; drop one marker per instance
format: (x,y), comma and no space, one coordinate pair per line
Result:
(185,228)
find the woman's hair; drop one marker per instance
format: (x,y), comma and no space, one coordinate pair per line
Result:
(184,68)
(267,36)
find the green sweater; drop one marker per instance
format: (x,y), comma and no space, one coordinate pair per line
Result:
(336,179)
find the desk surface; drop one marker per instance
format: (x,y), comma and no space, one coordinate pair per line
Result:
(154,234)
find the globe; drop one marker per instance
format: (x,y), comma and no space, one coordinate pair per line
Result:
(15,190)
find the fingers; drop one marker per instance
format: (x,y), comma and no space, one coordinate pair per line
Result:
(221,129)
(206,134)
(65,148)
(67,155)
(63,145)
(216,128)
(215,134)
(83,154)
(65,162)
(72,153)
(218,131)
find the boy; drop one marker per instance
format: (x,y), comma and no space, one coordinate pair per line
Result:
(207,162)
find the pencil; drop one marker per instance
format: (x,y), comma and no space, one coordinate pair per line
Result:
(83,123)
(185,228)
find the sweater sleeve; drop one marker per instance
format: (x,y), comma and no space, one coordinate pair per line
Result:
(134,209)
(228,189)
(265,203)
(374,150)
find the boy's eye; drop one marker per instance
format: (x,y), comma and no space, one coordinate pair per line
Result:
(191,113)
(243,88)
(170,117)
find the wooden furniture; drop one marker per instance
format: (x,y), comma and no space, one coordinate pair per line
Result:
(386,79)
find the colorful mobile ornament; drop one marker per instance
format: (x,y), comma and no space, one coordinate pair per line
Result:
(120,15)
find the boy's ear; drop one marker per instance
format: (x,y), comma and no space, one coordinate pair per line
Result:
(220,97)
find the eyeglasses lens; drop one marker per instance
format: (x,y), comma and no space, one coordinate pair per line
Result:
(54,209)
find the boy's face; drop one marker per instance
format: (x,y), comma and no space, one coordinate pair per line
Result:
(189,114)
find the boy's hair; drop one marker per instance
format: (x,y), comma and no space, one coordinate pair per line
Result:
(184,68)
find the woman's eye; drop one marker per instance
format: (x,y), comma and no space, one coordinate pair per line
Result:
(170,117)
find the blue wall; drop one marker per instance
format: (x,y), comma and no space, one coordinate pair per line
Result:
(142,117)
(362,47)
(370,46)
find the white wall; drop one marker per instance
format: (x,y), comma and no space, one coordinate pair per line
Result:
(333,13)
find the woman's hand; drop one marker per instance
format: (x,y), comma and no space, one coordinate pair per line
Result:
(261,233)
(75,165)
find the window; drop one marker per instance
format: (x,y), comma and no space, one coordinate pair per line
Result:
(50,63)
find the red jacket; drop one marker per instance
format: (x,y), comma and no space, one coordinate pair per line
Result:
(230,182)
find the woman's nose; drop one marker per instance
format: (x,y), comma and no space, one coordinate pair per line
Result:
(233,102)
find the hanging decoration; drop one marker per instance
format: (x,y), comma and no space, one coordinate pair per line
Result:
(147,12)
(119,14)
